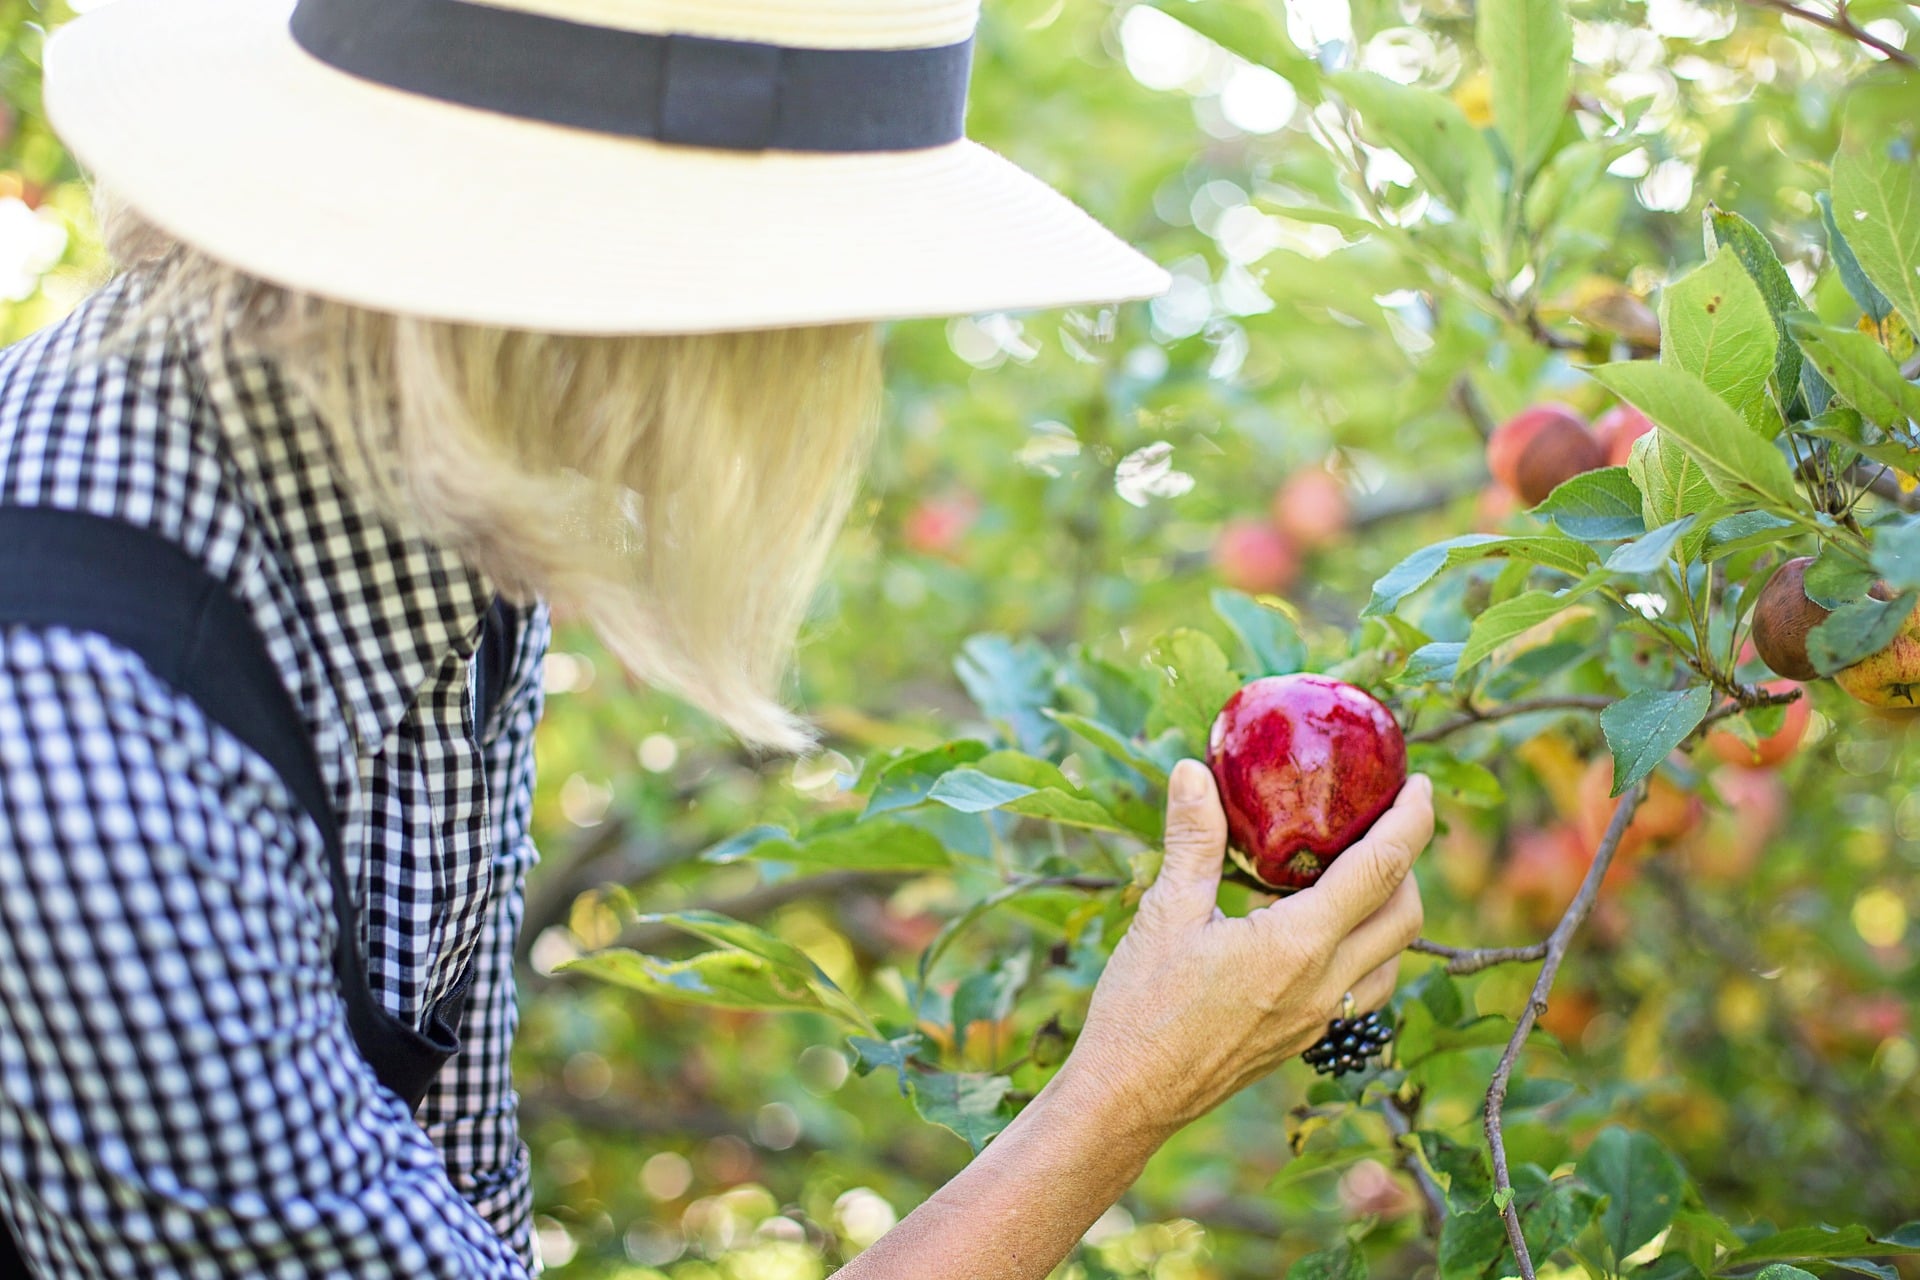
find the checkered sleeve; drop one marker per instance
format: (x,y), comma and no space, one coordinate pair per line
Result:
(179,1094)
(472,1112)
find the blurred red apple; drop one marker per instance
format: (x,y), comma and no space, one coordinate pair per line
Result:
(1617,429)
(1668,812)
(1305,764)
(1311,507)
(1256,558)
(1776,747)
(936,526)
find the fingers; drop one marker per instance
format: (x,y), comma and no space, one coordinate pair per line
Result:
(1376,989)
(1196,845)
(1382,936)
(1362,879)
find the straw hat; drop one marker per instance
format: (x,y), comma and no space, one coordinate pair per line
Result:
(579,166)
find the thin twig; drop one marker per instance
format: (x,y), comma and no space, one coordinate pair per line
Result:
(1841,23)
(1466,397)
(1400,1115)
(1465,960)
(1507,710)
(1557,944)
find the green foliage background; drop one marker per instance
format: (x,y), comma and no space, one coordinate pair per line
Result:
(1755,1022)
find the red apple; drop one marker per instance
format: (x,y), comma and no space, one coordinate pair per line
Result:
(1539,449)
(1311,507)
(1617,429)
(1254,557)
(1777,746)
(936,526)
(1305,763)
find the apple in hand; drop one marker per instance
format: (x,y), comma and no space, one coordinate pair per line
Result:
(1305,764)
(1538,450)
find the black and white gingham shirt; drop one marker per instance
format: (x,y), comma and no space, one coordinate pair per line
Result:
(179,1095)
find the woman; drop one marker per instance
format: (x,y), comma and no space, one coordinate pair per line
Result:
(432,315)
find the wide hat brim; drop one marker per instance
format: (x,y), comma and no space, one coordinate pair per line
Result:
(209,120)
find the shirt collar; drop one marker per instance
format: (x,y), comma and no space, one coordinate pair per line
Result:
(384,607)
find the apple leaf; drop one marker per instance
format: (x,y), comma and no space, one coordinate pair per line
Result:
(1784,1271)
(1650,550)
(1528,45)
(1715,325)
(1738,463)
(1868,298)
(1270,637)
(1020,784)
(1876,190)
(1896,553)
(724,931)
(1416,571)
(1196,683)
(1643,728)
(871,1055)
(1433,663)
(1597,506)
(906,781)
(1011,681)
(723,979)
(1642,1182)
(1548,550)
(970,1103)
(1744,531)
(1814,1242)
(1859,368)
(1670,482)
(1114,743)
(1342,1262)
(1755,251)
(1254,31)
(879,845)
(1502,622)
(1834,580)
(1471,1242)
(1433,135)
(1857,630)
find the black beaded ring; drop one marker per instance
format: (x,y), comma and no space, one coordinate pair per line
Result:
(1350,1042)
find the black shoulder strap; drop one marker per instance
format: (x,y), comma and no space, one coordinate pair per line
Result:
(89,573)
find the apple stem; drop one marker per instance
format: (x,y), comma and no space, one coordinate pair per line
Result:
(1556,951)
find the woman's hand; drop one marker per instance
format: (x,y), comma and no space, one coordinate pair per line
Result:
(1192,1007)
(1195,1005)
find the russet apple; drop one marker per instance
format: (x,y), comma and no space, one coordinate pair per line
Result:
(1782,617)
(1539,449)
(1305,765)
(1254,557)
(1891,677)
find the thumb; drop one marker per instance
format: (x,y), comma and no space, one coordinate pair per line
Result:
(1196,845)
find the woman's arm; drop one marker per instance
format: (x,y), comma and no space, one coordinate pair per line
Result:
(1193,1007)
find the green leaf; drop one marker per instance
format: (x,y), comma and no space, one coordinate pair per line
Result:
(1251,30)
(1431,663)
(1896,553)
(878,845)
(970,1103)
(1011,681)
(1876,190)
(1502,622)
(1781,1271)
(1671,483)
(723,979)
(1642,729)
(1461,781)
(906,781)
(871,1055)
(1745,531)
(1715,325)
(1197,683)
(725,931)
(971,791)
(1857,630)
(1642,1182)
(1471,1242)
(1649,551)
(1269,635)
(1598,506)
(1416,571)
(1114,743)
(1738,463)
(1342,1262)
(1805,1243)
(1833,580)
(1548,550)
(1528,45)
(1756,254)
(1868,298)
(1432,135)
(1859,368)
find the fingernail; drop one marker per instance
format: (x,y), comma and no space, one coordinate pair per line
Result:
(1189,781)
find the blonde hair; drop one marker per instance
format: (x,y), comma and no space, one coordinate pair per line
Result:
(680,493)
